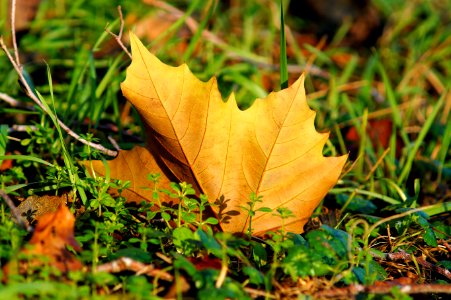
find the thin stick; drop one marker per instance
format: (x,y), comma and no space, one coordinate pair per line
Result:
(21,128)
(379,161)
(129,264)
(258,293)
(118,37)
(446,245)
(222,275)
(33,97)
(355,85)
(402,255)
(381,112)
(352,290)
(119,9)
(114,143)
(15,212)
(394,217)
(13,31)
(14,102)
(10,100)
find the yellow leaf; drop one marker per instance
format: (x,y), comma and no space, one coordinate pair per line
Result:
(271,149)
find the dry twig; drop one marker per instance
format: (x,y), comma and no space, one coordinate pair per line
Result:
(114,143)
(13,102)
(402,255)
(129,264)
(353,290)
(118,37)
(13,31)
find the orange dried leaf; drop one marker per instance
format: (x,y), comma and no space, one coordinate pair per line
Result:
(271,149)
(34,206)
(53,233)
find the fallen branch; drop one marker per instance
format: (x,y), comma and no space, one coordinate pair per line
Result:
(13,31)
(383,288)
(129,264)
(13,102)
(402,255)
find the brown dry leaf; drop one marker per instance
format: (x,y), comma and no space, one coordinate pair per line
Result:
(53,233)
(271,149)
(34,206)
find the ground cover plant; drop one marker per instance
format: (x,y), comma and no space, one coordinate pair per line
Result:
(379,83)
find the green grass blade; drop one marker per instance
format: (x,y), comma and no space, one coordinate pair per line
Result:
(105,35)
(283,51)
(444,149)
(387,199)
(66,156)
(6,110)
(419,141)
(397,118)
(362,145)
(437,209)
(3,139)
(348,71)
(176,25)
(320,56)
(109,76)
(192,45)
(81,64)
(11,188)
(247,84)
(26,157)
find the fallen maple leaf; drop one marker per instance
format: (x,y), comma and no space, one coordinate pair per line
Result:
(53,233)
(271,149)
